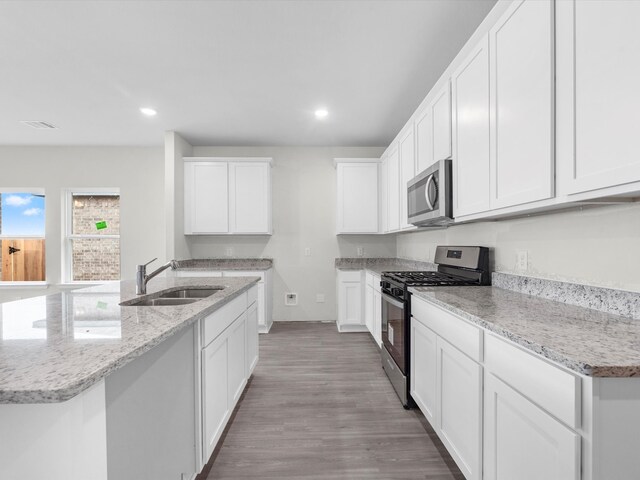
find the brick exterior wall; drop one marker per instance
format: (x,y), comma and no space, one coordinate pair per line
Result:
(96,258)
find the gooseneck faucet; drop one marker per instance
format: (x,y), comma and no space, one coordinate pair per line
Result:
(142,278)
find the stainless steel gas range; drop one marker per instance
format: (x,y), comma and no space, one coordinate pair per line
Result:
(457,266)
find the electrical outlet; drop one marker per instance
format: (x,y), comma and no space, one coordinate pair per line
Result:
(307,252)
(320,298)
(229,251)
(291,299)
(522,260)
(360,251)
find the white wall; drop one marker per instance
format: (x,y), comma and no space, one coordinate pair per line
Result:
(137,171)
(304,205)
(595,246)
(175,147)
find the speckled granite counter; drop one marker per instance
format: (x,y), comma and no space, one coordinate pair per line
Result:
(584,340)
(225,264)
(54,347)
(379,265)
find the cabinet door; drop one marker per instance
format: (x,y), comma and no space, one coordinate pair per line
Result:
(424,140)
(206,208)
(407,172)
(471,176)
(393,191)
(377,316)
(598,101)
(252,347)
(522,104)
(237,359)
(215,392)
(441,107)
(262,304)
(368,308)
(524,442)
(350,303)
(357,202)
(250,197)
(383,195)
(459,408)
(423,369)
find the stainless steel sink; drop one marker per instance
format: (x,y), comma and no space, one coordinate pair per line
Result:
(184,296)
(192,293)
(156,302)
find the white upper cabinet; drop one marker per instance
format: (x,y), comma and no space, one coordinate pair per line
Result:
(433,130)
(393,191)
(470,99)
(357,202)
(598,101)
(206,200)
(442,124)
(250,197)
(227,196)
(407,172)
(522,104)
(424,139)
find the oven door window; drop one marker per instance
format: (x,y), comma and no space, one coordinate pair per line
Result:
(393,330)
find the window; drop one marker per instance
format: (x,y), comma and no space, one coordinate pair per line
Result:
(22,248)
(92,246)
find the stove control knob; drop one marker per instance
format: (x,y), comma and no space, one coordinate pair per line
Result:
(385,284)
(397,292)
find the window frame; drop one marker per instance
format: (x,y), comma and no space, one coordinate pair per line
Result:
(32,191)
(68,236)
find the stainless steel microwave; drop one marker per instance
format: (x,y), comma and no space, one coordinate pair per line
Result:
(429,196)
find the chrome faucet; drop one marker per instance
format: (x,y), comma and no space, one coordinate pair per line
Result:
(142,278)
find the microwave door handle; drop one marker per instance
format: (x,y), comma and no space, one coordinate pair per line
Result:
(426,191)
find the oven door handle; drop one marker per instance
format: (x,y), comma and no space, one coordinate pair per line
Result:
(392,301)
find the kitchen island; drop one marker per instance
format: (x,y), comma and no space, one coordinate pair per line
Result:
(93,388)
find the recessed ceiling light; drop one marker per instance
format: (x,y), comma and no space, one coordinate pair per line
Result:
(321,113)
(149,112)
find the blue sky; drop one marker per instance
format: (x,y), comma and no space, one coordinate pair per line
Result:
(22,214)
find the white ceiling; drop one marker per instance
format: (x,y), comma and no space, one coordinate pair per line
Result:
(223,72)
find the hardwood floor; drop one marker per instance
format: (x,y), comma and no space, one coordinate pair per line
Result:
(319,406)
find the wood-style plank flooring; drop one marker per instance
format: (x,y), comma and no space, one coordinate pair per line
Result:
(319,406)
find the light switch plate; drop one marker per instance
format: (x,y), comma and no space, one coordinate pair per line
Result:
(522,260)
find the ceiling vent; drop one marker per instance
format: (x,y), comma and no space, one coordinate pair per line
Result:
(37,124)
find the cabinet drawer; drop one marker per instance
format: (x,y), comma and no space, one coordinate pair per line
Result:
(553,389)
(456,331)
(369,277)
(350,275)
(219,320)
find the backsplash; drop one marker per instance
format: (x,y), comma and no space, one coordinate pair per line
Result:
(609,300)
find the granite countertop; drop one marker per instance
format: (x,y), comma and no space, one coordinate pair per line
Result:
(195,264)
(379,265)
(587,341)
(54,347)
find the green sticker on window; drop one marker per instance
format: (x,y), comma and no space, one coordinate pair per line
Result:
(101,225)
(102,305)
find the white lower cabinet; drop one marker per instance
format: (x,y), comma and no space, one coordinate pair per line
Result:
(459,408)
(252,338)
(350,301)
(229,340)
(522,441)
(215,392)
(377,312)
(423,369)
(446,385)
(265,290)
